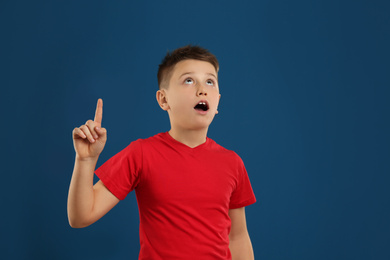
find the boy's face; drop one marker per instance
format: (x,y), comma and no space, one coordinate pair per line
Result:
(192,96)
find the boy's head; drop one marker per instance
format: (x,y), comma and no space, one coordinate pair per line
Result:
(188,87)
(184,53)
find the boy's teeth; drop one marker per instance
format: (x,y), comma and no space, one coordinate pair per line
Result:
(202,105)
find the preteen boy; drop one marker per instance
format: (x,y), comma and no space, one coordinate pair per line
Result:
(191,192)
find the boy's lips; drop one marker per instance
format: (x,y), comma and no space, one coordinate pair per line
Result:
(202,107)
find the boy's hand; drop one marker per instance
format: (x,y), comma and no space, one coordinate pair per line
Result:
(89,139)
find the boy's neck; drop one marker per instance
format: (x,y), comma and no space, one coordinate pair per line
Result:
(191,138)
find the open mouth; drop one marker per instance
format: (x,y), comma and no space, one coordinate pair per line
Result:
(202,106)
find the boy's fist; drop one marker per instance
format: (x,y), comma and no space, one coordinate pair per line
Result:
(89,139)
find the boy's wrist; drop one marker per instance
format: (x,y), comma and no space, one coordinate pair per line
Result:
(87,159)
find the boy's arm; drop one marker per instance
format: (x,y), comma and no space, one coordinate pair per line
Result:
(240,244)
(86,202)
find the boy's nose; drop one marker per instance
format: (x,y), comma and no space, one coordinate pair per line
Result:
(201,90)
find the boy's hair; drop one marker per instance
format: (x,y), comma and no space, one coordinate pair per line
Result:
(184,53)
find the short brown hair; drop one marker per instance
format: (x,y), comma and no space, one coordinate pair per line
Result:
(180,54)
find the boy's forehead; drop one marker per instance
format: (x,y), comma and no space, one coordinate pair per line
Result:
(194,66)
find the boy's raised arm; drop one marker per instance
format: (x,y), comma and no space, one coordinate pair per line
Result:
(88,203)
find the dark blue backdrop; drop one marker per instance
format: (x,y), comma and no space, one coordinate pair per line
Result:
(305,103)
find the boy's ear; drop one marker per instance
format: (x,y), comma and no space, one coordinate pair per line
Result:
(216,111)
(162,99)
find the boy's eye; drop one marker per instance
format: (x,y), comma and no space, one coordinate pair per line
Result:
(210,82)
(188,81)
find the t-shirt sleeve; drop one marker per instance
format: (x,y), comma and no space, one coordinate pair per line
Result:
(121,173)
(243,194)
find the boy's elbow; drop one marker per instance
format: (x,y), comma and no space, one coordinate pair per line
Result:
(74,224)
(77,223)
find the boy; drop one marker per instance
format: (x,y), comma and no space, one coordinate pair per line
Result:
(191,192)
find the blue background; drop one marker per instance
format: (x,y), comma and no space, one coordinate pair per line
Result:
(305,103)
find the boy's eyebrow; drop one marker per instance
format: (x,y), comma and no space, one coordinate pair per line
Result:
(189,73)
(211,74)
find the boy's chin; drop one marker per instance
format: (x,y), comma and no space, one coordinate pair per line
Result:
(201,125)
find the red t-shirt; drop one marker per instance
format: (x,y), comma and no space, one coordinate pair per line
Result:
(184,195)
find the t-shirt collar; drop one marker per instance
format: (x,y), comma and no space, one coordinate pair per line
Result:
(173,141)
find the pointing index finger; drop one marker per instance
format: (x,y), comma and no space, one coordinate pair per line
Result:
(99,112)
